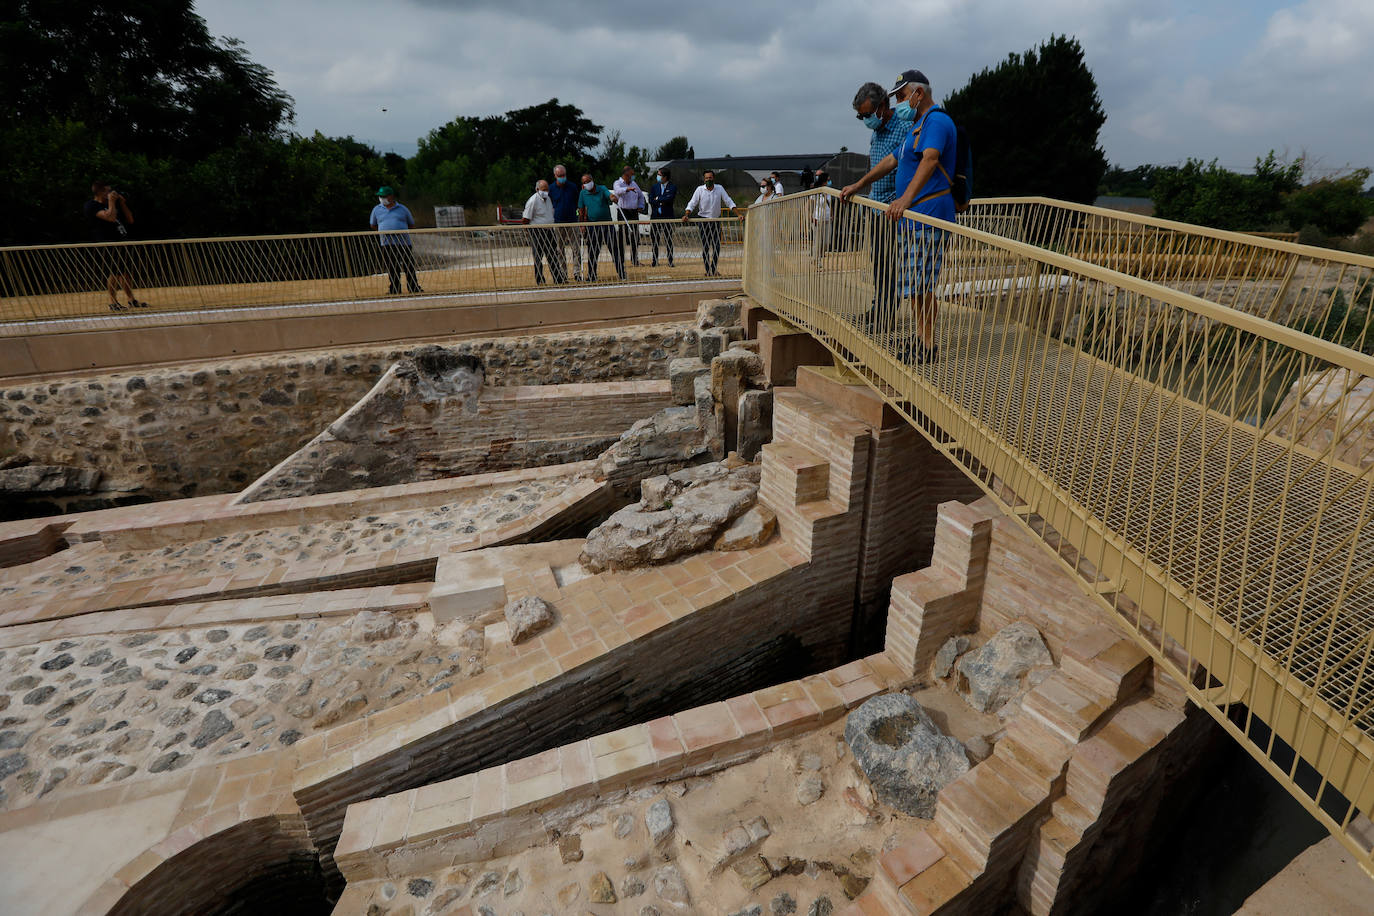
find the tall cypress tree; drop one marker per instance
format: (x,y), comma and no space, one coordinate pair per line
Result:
(1033,122)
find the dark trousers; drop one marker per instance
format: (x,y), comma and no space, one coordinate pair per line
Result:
(883,250)
(604,235)
(399,258)
(630,233)
(544,246)
(662,230)
(710,246)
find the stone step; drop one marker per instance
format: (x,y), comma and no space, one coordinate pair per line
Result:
(1067,708)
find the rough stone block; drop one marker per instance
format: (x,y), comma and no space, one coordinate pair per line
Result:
(755,425)
(718,313)
(713,343)
(682,376)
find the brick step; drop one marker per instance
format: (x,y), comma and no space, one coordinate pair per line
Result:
(1067,708)
(1037,751)
(793,474)
(933,889)
(980,809)
(1118,672)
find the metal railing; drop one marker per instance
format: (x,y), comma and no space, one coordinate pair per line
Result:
(69,281)
(1321,291)
(1187,460)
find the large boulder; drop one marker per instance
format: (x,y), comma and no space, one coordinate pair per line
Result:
(901,750)
(686,523)
(668,441)
(752,529)
(718,313)
(993,675)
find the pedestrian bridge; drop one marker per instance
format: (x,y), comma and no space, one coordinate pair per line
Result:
(1181,415)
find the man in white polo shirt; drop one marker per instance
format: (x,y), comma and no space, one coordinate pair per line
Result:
(709,202)
(538,213)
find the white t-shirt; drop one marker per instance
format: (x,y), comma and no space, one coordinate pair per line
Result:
(777,187)
(708,204)
(538,210)
(822,211)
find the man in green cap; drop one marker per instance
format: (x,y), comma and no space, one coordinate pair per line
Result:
(391,219)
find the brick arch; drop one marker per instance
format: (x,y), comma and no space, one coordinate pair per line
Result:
(263,865)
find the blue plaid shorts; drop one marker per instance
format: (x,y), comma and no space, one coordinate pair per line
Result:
(923,251)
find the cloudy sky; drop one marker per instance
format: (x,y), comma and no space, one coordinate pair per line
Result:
(1228,80)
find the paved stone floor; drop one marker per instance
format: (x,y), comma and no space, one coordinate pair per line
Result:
(372,533)
(105,708)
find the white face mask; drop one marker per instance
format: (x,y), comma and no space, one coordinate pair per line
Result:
(588,185)
(543,195)
(382,201)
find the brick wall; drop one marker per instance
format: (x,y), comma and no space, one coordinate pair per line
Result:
(1022,582)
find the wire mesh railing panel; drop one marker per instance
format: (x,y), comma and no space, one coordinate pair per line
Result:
(1319,291)
(79,282)
(1196,457)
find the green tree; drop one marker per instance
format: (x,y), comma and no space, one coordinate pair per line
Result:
(1136,182)
(614,155)
(453,160)
(1209,195)
(1033,122)
(676,148)
(144,75)
(1336,206)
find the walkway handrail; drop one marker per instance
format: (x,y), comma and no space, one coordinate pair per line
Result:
(68,281)
(1324,291)
(1207,472)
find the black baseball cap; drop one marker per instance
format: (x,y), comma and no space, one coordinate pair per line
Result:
(908,76)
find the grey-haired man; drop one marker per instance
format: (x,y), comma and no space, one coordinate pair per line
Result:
(871,106)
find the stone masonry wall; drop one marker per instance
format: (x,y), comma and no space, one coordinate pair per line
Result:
(214,427)
(513,427)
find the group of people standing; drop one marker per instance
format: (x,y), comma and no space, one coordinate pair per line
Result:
(554,210)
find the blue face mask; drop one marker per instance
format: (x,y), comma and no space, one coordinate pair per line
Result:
(873,121)
(904,112)
(561,180)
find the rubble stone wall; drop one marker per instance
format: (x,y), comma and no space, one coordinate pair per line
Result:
(214,427)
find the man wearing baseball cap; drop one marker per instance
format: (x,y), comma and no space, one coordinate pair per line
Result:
(924,162)
(391,219)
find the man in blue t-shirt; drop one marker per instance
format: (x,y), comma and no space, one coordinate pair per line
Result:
(924,163)
(390,219)
(564,193)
